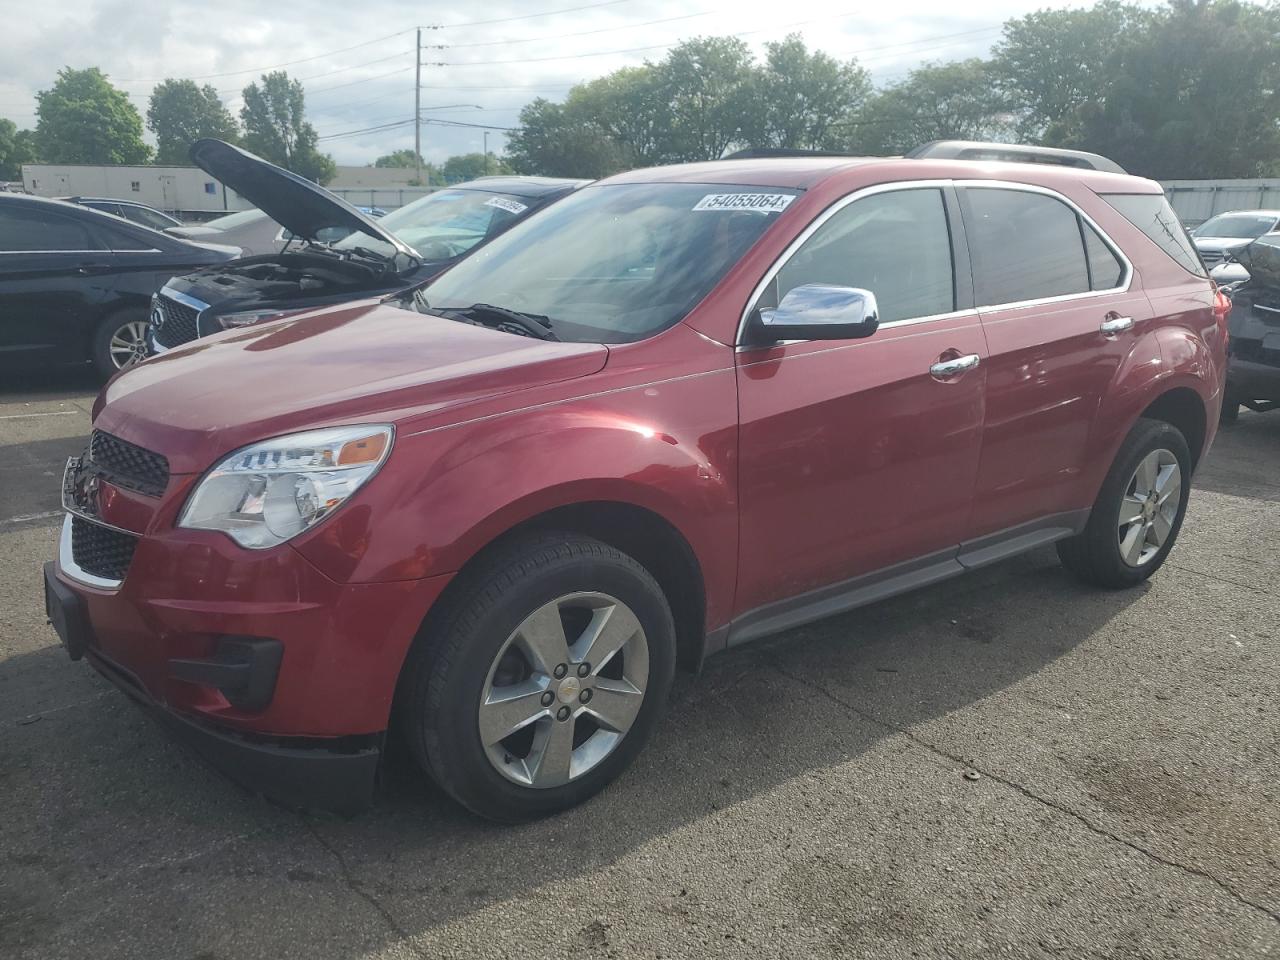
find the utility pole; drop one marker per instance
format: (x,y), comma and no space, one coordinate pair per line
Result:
(486,151)
(417,107)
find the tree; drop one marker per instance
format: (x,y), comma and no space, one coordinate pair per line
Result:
(399,159)
(180,113)
(1191,95)
(468,166)
(552,140)
(709,90)
(275,127)
(1050,62)
(800,96)
(947,101)
(84,119)
(16,148)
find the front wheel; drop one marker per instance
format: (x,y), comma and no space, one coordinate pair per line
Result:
(120,341)
(542,678)
(1139,510)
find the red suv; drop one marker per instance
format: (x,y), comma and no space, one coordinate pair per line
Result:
(681,409)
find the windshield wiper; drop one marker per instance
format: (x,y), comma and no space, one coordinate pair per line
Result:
(535,324)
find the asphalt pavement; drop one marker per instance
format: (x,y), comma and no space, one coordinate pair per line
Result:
(1007,765)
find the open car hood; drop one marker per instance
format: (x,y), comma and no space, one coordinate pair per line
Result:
(298,205)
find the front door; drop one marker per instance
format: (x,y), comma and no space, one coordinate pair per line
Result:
(859,455)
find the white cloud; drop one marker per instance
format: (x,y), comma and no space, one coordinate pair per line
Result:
(497,66)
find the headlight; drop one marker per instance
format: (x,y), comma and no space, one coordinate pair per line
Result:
(266,493)
(231,320)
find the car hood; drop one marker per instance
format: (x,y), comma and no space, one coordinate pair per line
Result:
(362,362)
(298,205)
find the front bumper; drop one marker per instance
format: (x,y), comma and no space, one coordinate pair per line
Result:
(308,730)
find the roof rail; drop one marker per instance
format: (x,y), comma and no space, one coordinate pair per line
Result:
(1015,152)
(759,153)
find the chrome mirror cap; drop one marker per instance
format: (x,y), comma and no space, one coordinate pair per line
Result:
(820,311)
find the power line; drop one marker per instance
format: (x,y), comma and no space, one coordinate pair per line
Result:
(581,33)
(533,16)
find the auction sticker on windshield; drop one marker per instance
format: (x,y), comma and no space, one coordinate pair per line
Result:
(763,202)
(504,203)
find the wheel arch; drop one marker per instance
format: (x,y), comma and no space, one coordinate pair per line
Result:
(643,533)
(1182,407)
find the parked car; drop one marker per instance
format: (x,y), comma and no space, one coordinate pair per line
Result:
(138,213)
(683,409)
(1219,236)
(75,284)
(334,252)
(1253,373)
(253,231)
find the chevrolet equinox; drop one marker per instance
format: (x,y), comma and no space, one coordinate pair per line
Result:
(681,409)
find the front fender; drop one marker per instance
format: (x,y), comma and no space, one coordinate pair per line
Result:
(446,493)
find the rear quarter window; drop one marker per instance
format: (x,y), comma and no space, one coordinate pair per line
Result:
(1151,213)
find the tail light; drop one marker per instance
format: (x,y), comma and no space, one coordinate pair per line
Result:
(1221,308)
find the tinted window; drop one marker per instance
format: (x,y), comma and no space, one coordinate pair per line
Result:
(148,218)
(1151,213)
(41,230)
(897,245)
(1025,246)
(1105,268)
(123,239)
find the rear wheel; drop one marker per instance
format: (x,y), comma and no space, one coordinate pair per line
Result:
(120,341)
(1136,518)
(542,679)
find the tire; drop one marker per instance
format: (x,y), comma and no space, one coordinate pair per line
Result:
(491,640)
(110,336)
(1104,554)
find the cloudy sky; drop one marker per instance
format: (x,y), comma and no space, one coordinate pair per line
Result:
(485,60)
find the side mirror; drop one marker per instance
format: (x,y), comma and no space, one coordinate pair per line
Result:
(819,311)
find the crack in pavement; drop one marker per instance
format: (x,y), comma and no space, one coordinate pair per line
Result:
(1214,576)
(1030,794)
(353,885)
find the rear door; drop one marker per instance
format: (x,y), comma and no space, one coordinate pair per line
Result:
(1060,316)
(857,455)
(54,278)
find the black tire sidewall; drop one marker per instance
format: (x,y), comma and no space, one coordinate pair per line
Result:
(1102,542)
(452,737)
(102,361)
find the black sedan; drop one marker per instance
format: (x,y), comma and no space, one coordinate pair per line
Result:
(76,284)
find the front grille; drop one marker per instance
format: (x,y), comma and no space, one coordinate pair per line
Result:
(101,551)
(127,465)
(174,323)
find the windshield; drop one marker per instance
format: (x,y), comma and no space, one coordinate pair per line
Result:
(444,224)
(1239,226)
(615,263)
(235,219)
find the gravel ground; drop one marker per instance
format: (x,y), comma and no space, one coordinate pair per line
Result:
(1006,765)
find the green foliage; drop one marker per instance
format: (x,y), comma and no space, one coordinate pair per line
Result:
(706,96)
(468,166)
(275,127)
(946,101)
(800,99)
(180,113)
(82,118)
(1193,95)
(16,148)
(399,159)
(1050,62)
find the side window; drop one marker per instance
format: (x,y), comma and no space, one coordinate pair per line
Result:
(1025,246)
(37,230)
(1151,213)
(149,218)
(123,239)
(895,244)
(1105,268)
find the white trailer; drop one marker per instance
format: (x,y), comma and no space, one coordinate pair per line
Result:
(188,192)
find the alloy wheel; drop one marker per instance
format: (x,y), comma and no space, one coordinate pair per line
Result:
(564,689)
(128,344)
(1150,507)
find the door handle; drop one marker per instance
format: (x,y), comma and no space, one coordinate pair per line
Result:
(955,366)
(91,268)
(1113,325)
